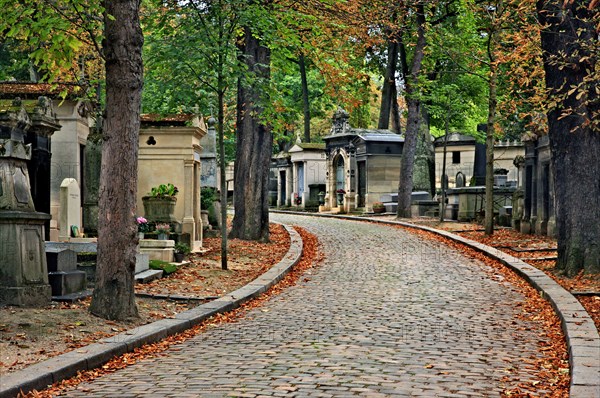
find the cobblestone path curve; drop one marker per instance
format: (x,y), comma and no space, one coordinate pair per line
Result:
(387,314)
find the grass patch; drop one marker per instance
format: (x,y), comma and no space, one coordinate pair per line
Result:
(167,267)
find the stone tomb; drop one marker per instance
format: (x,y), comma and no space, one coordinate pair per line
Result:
(23,271)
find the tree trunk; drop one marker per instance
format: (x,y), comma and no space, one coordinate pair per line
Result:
(389,85)
(396,126)
(305,97)
(413,120)
(254,146)
(574,143)
(222,170)
(489,153)
(113,296)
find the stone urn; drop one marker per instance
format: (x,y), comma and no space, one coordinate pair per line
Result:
(159,208)
(340,198)
(321,196)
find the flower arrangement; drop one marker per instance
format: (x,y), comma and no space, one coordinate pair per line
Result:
(164,191)
(340,191)
(378,205)
(142,224)
(163,228)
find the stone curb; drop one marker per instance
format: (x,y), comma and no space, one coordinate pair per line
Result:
(583,341)
(43,374)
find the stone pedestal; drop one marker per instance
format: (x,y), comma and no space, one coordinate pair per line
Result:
(158,249)
(23,275)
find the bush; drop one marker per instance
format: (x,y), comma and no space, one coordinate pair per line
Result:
(181,247)
(207,196)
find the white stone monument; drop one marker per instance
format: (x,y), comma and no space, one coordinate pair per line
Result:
(70,209)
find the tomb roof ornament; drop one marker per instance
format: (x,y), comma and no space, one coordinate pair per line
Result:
(340,123)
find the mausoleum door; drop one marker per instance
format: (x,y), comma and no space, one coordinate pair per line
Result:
(300,180)
(339,174)
(282,184)
(362,183)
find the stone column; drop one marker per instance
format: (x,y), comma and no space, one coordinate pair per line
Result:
(196,202)
(23,272)
(189,224)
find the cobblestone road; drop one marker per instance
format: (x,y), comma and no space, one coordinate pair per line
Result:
(386,314)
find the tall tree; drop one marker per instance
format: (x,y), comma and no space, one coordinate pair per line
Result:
(113,296)
(254,142)
(56,31)
(570,52)
(203,35)
(414,115)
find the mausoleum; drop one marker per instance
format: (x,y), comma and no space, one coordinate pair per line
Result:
(362,165)
(170,152)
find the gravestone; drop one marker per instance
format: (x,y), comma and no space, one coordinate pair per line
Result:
(91,185)
(63,275)
(460,180)
(70,208)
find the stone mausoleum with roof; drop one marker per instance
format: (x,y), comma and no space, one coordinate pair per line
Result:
(362,165)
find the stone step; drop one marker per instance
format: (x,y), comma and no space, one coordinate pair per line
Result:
(71,297)
(148,276)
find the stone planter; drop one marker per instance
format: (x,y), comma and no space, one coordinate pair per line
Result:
(160,209)
(340,199)
(163,236)
(379,210)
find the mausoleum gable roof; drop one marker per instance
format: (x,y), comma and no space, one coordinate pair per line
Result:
(32,90)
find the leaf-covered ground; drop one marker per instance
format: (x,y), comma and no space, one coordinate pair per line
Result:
(536,250)
(29,335)
(311,257)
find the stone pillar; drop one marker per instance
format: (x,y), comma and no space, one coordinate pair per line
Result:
(189,224)
(23,270)
(196,203)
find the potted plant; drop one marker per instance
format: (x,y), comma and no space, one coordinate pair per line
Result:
(378,207)
(181,250)
(159,204)
(340,196)
(163,231)
(142,225)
